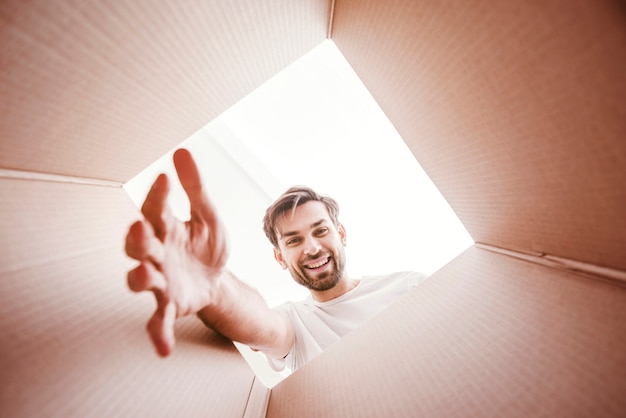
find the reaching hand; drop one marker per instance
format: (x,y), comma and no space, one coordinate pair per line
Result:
(178,262)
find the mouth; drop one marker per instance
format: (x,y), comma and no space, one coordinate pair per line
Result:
(318,264)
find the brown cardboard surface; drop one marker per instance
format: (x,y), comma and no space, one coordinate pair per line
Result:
(515,110)
(45,221)
(73,343)
(488,335)
(73,340)
(101,90)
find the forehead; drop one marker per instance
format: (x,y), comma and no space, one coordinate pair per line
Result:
(302,217)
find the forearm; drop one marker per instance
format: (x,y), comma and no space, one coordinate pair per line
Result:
(240,313)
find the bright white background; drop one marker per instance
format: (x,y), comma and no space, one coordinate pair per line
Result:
(315,124)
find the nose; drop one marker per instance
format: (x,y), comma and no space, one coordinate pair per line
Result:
(312,246)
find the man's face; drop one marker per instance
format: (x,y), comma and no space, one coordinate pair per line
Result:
(311,246)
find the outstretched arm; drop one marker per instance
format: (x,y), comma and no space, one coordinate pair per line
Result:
(182,264)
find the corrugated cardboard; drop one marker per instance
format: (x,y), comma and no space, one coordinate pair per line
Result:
(84,80)
(516,111)
(73,340)
(487,335)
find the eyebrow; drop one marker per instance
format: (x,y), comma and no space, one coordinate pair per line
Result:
(313,225)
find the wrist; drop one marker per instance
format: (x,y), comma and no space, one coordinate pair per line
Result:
(214,293)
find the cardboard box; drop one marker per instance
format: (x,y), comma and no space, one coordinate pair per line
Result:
(515,110)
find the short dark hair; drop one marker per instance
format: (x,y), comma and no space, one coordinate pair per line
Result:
(290,200)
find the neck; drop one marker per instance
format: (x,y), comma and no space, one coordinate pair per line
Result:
(344,286)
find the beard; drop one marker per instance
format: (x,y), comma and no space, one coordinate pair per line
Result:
(325,280)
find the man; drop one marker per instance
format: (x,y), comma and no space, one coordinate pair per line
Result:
(183,264)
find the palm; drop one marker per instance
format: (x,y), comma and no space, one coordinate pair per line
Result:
(194,252)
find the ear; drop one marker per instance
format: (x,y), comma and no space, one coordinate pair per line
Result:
(279,257)
(342,233)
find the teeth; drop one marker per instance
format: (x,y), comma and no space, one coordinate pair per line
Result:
(316,265)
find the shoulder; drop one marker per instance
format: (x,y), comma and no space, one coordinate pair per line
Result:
(410,278)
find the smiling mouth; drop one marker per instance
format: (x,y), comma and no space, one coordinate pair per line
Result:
(317,265)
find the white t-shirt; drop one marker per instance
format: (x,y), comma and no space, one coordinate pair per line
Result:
(318,325)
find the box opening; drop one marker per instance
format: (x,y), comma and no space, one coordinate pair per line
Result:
(315,123)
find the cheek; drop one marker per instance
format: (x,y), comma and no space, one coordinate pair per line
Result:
(290,257)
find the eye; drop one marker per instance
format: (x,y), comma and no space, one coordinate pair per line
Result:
(320,232)
(292,241)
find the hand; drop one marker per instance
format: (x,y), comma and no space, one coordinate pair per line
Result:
(178,262)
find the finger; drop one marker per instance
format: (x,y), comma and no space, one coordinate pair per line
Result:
(155,208)
(161,329)
(147,277)
(189,177)
(142,244)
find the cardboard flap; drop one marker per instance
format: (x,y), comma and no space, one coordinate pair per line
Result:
(515,110)
(73,339)
(102,90)
(488,335)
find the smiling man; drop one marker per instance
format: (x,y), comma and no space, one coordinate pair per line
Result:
(183,264)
